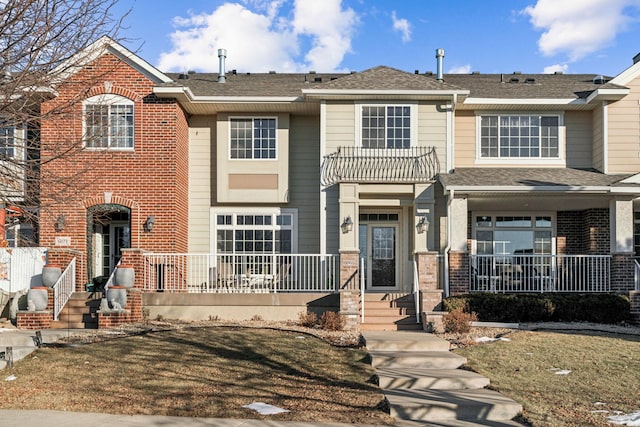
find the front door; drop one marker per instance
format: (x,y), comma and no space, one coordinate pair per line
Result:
(379,248)
(110,233)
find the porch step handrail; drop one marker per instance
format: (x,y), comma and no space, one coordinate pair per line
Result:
(416,289)
(540,273)
(63,288)
(636,275)
(363,285)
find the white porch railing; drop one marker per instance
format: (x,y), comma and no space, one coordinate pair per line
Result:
(363,285)
(63,288)
(636,276)
(255,273)
(540,273)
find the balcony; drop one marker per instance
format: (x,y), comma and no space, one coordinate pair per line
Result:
(378,165)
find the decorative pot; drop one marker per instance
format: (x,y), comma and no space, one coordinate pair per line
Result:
(117,297)
(124,276)
(37,298)
(50,275)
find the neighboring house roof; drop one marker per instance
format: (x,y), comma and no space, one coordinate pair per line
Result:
(525,179)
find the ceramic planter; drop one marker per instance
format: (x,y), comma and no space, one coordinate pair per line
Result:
(117,297)
(125,276)
(37,298)
(50,275)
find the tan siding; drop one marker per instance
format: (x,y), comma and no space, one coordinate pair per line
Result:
(465,139)
(598,141)
(340,121)
(432,130)
(201,139)
(624,132)
(579,138)
(304,182)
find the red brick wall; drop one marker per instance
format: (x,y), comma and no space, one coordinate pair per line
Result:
(583,232)
(150,180)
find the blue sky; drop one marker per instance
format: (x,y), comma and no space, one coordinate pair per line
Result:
(490,36)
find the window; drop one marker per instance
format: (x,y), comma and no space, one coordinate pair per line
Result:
(255,233)
(513,234)
(386,126)
(519,136)
(7,141)
(253,138)
(108,121)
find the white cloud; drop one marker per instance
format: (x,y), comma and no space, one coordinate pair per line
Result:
(579,27)
(556,67)
(460,69)
(401,25)
(266,37)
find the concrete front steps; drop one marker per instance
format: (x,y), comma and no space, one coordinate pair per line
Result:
(80,312)
(389,312)
(423,384)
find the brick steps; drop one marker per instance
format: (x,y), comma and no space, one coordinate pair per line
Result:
(80,312)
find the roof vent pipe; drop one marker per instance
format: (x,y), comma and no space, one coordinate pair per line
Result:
(439,57)
(222,54)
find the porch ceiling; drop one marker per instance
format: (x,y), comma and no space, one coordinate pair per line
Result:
(518,202)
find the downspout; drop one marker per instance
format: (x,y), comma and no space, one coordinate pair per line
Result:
(447,249)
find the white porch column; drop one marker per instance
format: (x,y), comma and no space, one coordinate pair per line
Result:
(423,207)
(348,209)
(621,220)
(458,228)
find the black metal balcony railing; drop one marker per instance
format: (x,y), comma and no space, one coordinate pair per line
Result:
(378,165)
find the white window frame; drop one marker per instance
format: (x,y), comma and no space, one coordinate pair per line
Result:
(239,211)
(108,100)
(494,214)
(253,118)
(560,160)
(19,145)
(413,126)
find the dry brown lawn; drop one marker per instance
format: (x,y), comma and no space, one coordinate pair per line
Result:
(201,372)
(604,378)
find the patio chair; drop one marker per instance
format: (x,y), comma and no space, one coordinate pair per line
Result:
(226,276)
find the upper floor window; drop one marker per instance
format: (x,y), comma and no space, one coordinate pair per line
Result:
(253,138)
(386,126)
(519,136)
(108,122)
(7,141)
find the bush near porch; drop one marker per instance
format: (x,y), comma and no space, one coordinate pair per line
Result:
(490,307)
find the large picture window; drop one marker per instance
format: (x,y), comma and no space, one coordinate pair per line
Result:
(386,126)
(519,136)
(253,138)
(108,122)
(513,235)
(255,233)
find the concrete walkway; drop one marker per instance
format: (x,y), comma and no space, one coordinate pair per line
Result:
(422,381)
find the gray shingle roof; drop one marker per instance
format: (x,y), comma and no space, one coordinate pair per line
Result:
(561,86)
(387,78)
(251,84)
(484,178)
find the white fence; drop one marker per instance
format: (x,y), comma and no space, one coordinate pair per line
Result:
(21,267)
(540,273)
(259,273)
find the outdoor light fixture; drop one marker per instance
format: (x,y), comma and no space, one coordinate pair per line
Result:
(347,225)
(423,225)
(60,223)
(149,223)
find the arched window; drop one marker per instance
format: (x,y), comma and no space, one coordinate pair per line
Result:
(108,122)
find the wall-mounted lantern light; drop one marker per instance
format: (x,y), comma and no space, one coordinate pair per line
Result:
(347,225)
(423,225)
(149,223)
(61,223)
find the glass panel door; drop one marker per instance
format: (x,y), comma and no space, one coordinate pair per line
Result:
(383,257)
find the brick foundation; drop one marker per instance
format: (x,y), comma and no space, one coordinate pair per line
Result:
(132,313)
(34,320)
(635,306)
(622,273)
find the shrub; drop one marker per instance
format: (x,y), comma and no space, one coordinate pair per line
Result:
(332,321)
(598,308)
(458,321)
(308,319)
